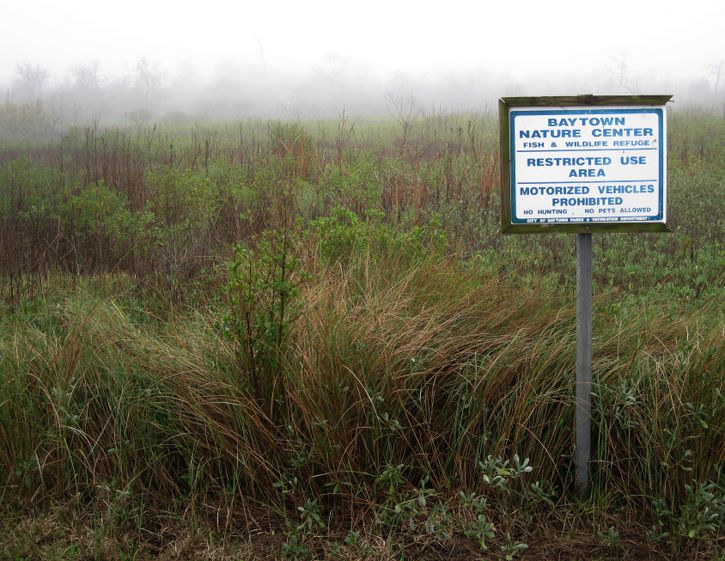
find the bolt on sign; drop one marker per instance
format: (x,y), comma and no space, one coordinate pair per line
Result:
(583,163)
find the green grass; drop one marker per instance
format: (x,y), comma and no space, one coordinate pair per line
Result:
(371,372)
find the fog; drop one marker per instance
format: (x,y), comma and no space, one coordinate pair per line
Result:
(175,61)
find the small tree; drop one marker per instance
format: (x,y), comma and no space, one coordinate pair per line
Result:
(149,78)
(30,80)
(404,110)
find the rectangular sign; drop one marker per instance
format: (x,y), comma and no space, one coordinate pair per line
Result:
(585,167)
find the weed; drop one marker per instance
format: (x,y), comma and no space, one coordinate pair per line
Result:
(482,530)
(511,549)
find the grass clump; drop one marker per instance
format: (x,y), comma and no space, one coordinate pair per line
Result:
(395,389)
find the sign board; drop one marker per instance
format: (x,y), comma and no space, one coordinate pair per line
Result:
(584,164)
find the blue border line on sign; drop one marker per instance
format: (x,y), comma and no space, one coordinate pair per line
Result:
(589,150)
(579,181)
(660,151)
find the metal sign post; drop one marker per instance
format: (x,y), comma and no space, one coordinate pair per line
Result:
(583,362)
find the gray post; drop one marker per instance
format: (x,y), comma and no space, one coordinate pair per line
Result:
(583,362)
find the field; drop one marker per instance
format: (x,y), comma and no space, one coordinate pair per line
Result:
(308,340)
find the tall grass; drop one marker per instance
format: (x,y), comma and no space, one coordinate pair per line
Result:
(432,369)
(327,322)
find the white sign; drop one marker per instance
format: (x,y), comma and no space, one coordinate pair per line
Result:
(579,164)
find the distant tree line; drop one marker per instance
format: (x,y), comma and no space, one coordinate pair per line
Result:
(37,106)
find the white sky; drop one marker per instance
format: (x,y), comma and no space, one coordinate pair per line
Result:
(520,39)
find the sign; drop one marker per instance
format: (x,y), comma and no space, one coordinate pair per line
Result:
(584,164)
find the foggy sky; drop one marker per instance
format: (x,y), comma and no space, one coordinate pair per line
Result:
(434,50)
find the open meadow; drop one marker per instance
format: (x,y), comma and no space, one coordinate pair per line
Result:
(308,340)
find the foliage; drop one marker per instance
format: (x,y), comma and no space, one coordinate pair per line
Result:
(262,290)
(334,329)
(27,122)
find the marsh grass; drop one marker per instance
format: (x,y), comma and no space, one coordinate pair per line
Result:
(307,334)
(431,369)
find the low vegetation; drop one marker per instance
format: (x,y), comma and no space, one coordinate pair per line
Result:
(309,340)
